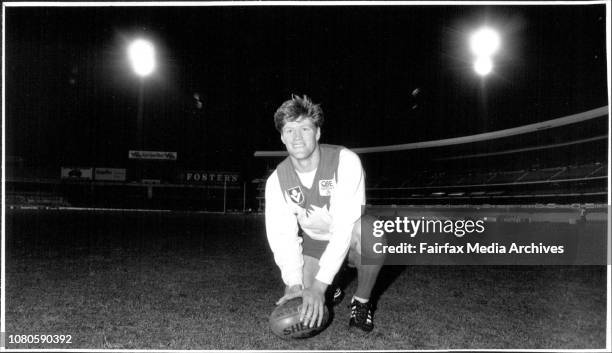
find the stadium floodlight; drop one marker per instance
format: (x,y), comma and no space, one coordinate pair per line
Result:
(142,56)
(484,42)
(483,65)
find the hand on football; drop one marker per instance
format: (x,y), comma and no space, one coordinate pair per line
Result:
(313,304)
(290,293)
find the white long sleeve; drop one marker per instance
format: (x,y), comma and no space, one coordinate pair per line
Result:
(282,233)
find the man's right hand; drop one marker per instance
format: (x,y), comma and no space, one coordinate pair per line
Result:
(290,293)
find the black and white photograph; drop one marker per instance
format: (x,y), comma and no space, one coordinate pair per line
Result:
(305,176)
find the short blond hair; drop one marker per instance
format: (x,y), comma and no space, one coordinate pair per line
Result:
(296,108)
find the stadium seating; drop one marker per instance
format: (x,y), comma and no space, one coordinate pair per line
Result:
(549,184)
(575,172)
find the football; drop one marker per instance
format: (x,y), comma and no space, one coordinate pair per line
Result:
(285,321)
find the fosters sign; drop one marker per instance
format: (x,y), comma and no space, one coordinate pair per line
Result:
(204,177)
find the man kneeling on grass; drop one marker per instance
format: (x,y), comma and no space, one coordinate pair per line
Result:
(318,189)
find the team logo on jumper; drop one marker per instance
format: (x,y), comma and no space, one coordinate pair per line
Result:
(326,187)
(296,195)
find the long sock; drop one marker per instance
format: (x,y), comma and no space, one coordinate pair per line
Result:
(366,274)
(366,279)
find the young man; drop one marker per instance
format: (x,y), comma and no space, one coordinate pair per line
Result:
(320,190)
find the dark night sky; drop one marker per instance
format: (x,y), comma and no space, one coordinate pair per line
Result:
(71,98)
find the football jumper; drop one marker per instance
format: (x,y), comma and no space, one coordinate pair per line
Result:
(326,210)
(313,198)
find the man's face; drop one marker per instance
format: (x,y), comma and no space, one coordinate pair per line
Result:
(301,138)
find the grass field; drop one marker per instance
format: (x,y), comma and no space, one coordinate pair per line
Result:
(207,281)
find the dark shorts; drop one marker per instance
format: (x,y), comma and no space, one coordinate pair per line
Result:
(311,247)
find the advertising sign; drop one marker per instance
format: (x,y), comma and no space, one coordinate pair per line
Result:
(205,177)
(76,173)
(110,174)
(155,155)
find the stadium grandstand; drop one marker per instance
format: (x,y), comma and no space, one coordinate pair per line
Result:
(562,161)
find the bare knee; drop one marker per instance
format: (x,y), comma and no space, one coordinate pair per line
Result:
(366,239)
